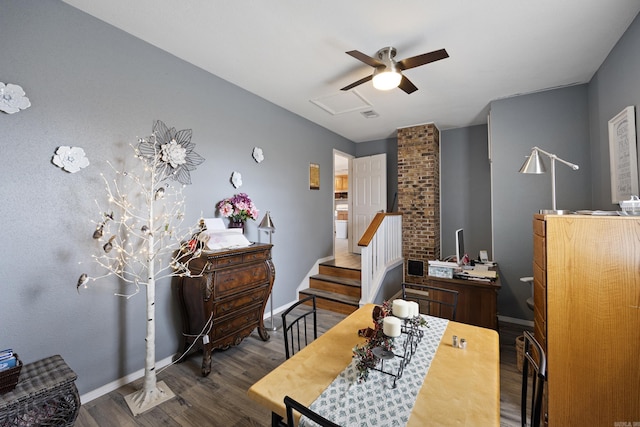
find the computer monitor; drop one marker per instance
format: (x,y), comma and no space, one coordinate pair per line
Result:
(460,246)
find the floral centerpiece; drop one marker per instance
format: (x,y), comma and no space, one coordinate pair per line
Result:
(364,355)
(365,359)
(238,208)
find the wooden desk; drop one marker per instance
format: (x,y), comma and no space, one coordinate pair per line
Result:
(462,387)
(477,300)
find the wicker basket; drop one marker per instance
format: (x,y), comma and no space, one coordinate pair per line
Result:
(520,355)
(9,377)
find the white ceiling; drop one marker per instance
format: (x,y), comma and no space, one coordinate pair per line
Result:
(292,52)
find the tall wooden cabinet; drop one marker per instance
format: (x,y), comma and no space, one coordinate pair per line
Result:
(587,315)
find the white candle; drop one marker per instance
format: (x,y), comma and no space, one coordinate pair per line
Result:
(391,326)
(414,309)
(400,308)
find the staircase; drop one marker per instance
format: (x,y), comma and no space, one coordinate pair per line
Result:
(336,286)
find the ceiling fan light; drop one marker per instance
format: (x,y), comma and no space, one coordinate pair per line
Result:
(387,80)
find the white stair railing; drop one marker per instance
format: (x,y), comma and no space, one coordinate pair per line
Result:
(381,250)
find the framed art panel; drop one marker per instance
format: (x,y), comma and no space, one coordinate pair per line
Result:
(314,176)
(623,155)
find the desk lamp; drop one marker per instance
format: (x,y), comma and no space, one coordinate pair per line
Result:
(534,165)
(267,225)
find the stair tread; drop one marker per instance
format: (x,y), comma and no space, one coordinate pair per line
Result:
(341,280)
(334,264)
(332,296)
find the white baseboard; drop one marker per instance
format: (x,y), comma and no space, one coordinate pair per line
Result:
(114,385)
(515,320)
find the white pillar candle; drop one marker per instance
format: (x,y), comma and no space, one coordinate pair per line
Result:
(414,309)
(400,308)
(391,326)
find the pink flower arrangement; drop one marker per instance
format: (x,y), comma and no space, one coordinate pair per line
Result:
(238,208)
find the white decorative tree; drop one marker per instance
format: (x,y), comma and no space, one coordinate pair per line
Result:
(140,237)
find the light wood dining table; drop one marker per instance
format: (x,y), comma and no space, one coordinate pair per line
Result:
(462,386)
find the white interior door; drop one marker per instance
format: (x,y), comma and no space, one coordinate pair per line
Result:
(369,193)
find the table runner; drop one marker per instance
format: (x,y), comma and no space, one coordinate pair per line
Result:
(373,402)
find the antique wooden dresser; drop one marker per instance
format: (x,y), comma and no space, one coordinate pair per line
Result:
(224,299)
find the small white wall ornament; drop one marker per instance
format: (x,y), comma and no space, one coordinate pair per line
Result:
(71,159)
(12,98)
(258,156)
(236,179)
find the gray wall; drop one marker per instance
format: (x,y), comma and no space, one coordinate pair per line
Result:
(465,190)
(571,123)
(556,121)
(615,86)
(99,88)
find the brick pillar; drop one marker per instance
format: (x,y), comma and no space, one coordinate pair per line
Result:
(419,198)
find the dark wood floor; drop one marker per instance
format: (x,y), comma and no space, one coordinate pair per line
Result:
(220,399)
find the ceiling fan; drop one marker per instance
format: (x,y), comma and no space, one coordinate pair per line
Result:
(388,72)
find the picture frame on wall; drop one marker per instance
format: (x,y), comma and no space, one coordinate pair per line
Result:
(623,156)
(314,176)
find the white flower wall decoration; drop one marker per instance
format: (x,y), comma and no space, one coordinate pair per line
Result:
(12,98)
(71,159)
(236,179)
(258,155)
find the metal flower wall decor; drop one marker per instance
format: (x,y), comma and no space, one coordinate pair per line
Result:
(71,159)
(175,150)
(12,98)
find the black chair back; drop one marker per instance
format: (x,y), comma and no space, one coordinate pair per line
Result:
(536,361)
(291,404)
(433,301)
(299,325)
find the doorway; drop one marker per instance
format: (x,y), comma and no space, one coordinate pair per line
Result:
(341,203)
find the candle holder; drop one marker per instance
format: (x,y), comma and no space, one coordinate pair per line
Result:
(383,354)
(411,328)
(409,347)
(405,323)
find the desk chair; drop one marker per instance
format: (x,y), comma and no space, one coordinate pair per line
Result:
(535,359)
(291,404)
(529,280)
(299,325)
(433,301)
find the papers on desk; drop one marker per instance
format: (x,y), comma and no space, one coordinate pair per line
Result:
(478,274)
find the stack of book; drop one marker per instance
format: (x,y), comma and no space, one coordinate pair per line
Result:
(8,359)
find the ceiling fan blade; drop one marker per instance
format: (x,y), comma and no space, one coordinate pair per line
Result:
(407,86)
(425,58)
(358,83)
(365,58)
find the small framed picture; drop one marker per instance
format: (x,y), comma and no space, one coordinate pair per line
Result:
(623,156)
(314,176)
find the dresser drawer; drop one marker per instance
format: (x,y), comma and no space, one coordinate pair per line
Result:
(232,281)
(225,261)
(248,319)
(255,256)
(540,290)
(237,302)
(216,261)
(540,329)
(539,227)
(540,251)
